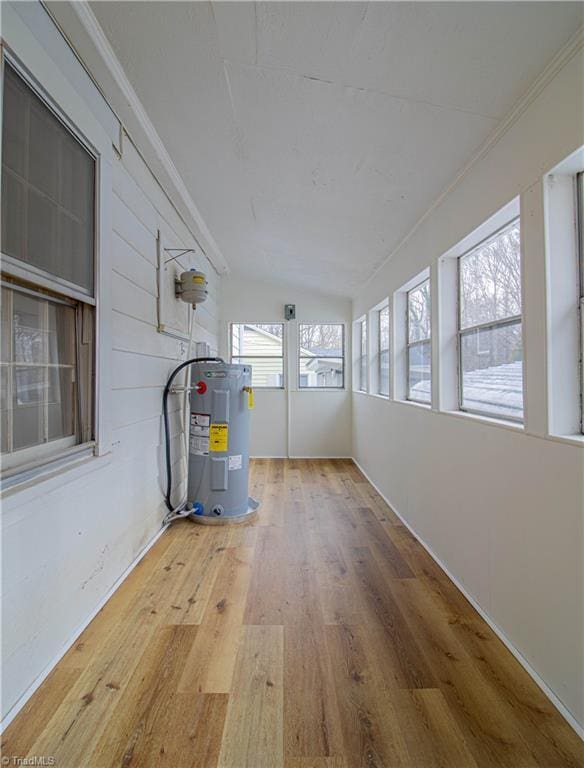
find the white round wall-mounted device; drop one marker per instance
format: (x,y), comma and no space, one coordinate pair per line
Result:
(191,287)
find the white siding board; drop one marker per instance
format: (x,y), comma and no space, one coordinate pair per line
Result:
(131,264)
(129,299)
(130,229)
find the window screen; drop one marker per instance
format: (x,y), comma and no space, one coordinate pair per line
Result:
(47,336)
(48,189)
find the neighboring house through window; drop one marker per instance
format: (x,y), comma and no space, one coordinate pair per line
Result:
(261,346)
(321,355)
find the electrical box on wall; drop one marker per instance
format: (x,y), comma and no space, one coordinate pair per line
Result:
(290,311)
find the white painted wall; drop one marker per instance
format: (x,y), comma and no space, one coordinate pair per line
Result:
(319,422)
(67,539)
(502,508)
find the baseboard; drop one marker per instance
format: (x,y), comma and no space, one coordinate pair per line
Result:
(557,703)
(317,458)
(15,709)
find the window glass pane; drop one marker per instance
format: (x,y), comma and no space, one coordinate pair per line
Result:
(257,339)
(321,339)
(321,355)
(28,343)
(384,328)
(265,371)
(60,334)
(61,406)
(490,279)
(419,312)
(48,188)
(420,372)
(492,371)
(4,373)
(29,385)
(39,364)
(384,372)
(383,354)
(321,371)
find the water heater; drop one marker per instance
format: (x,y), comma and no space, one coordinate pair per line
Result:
(220,403)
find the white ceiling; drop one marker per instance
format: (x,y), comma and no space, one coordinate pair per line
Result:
(312,136)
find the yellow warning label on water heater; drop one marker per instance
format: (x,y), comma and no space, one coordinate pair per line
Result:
(218,437)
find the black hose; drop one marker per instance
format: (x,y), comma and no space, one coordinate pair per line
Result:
(178,369)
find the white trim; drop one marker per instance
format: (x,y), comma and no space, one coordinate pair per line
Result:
(109,58)
(11,714)
(562,709)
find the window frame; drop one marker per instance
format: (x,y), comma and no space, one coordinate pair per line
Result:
(381,349)
(418,342)
(362,386)
(579,195)
(283,357)
(304,388)
(490,324)
(30,278)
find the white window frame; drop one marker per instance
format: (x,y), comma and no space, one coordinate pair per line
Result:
(27,463)
(418,342)
(299,356)
(491,324)
(283,357)
(378,310)
(358,357)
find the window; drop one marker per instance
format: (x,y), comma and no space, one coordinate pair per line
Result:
(321,355)
(383,351)
(47,310)
(490,338)
(419,346)
(362,355)
(261,346)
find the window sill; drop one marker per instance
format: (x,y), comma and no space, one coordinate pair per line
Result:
(32,475)
(414,403)
(567,439)
(501,423)
(378,396)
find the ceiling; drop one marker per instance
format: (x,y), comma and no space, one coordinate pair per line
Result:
(312,136)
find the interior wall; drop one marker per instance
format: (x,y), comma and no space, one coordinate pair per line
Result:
(292,422)
(68,538)
(501,507)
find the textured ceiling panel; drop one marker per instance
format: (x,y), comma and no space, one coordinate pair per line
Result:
(312,136)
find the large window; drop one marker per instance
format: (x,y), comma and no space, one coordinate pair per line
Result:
(47,311)
(419,345)
(261,346)
(362,357)
(490,338)
(321,355)
(383,351)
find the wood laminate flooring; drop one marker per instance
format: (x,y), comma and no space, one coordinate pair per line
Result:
(322,635)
